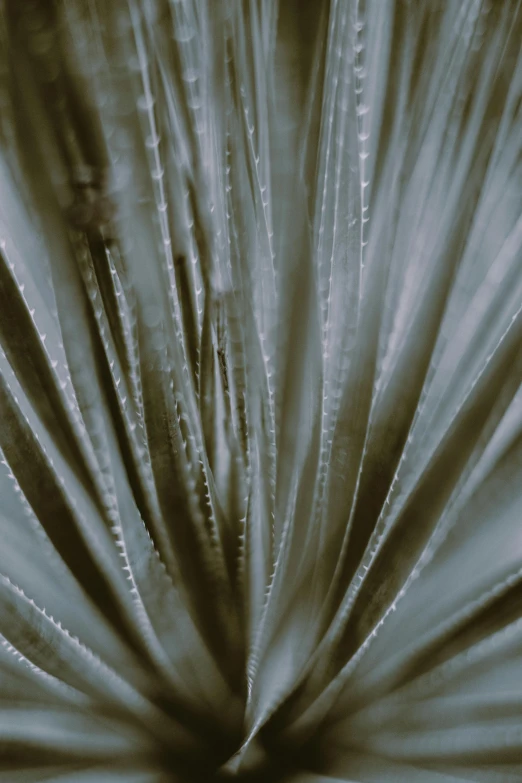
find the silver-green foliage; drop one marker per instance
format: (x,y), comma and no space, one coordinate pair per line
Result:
(260,294)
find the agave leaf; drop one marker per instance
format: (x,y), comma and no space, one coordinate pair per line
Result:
(88,774)
(32,732)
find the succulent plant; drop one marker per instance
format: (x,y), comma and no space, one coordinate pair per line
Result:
(260,371)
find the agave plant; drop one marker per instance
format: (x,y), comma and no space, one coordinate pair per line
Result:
(261,419)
